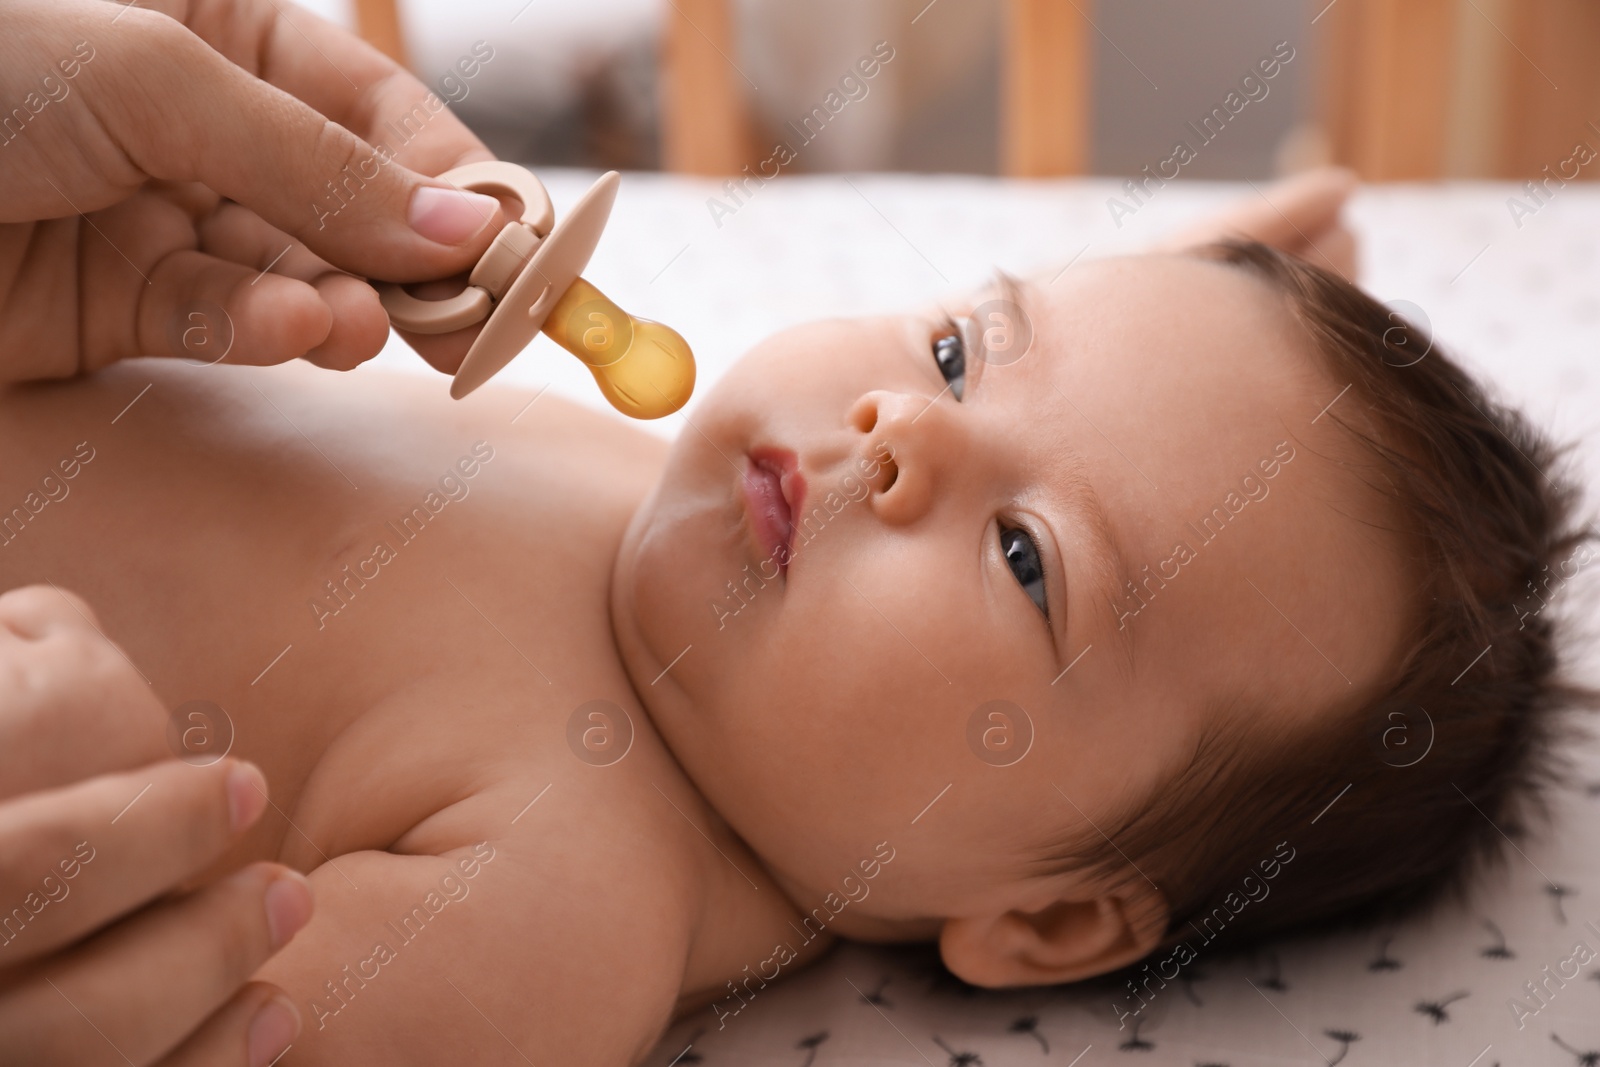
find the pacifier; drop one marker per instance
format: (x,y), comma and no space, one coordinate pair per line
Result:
(528,281)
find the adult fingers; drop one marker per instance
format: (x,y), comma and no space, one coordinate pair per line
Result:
(138,278)
(357,327)
(82,855)
(343,77)
(250,294)
(181,111)
(360,326)
(214,310)
(72,705)
(145,984)
(251,1030)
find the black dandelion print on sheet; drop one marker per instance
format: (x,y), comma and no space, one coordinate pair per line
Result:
(1558,893)
(1385,962)
(876,997)
(1436,1009)
(1273,979)
(1498,950)
(1589,1058)
(1135,1043)
(1029,1024)
(810,1045)
(959,1059)
(1346,1038)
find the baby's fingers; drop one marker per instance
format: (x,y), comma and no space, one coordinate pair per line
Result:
(72,705)
(1333,248)
(77,857)
(1292,211)
(145,985)
(1287,214)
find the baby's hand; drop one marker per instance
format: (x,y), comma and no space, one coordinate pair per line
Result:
(97,822)
(1298,215)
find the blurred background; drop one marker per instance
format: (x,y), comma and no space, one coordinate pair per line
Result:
(898,126)
(1398,89)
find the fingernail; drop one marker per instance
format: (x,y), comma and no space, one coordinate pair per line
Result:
(274,1027)
(247,795)
(288,904)
(448,215)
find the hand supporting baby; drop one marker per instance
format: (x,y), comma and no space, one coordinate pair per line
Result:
(97,822)
(164,171)
(155,161)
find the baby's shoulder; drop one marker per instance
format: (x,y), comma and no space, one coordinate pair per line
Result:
(555,867)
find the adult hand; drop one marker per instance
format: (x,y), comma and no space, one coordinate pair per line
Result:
(99,963)
(156,158)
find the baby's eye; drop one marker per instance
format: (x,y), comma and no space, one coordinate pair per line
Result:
(1022,556)
(950,353)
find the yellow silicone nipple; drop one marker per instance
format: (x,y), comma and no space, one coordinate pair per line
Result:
(644,368)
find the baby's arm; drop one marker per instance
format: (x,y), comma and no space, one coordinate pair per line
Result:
(499,952)
(1298,215)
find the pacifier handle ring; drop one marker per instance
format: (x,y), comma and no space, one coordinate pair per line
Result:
(416,315)
(473,304)
(496,177)
(521,312)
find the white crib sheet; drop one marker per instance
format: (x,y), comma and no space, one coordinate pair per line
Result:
(1518,303)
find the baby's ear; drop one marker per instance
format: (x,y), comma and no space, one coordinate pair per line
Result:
(1065,941)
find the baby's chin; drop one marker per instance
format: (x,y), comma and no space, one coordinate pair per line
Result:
(626,631)
(672,559)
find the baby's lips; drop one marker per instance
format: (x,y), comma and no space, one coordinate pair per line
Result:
(794,491)
(773,484)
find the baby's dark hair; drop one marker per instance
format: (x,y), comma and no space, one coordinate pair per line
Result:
(1375,811)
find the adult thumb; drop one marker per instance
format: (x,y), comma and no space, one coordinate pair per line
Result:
(189,114)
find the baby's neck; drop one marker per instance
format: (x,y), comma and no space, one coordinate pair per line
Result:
(744,917)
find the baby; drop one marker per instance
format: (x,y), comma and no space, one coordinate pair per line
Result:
(1078,625)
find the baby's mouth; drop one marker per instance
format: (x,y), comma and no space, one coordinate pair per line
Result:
(773,491)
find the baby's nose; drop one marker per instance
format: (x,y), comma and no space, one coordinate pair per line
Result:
(903,441)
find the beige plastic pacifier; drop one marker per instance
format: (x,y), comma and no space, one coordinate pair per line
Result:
(528,281)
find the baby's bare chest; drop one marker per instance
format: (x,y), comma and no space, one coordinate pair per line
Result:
(382,599)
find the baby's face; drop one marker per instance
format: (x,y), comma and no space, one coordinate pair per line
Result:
(967,551)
